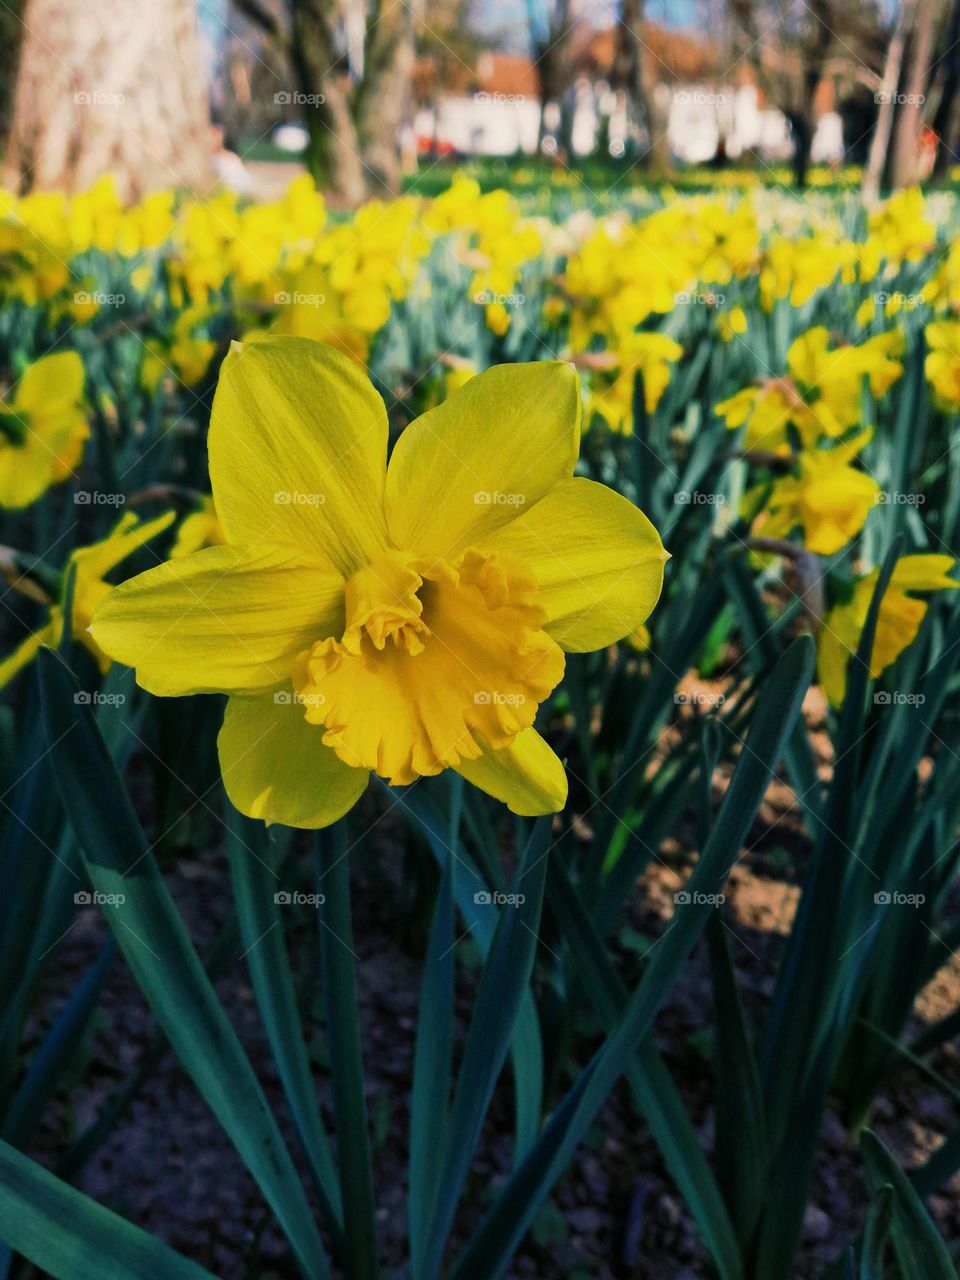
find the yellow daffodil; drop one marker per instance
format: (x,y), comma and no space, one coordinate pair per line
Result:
(732,323)
(898,621)
(650,355)
(764,411)
(43,428)
(901,228)
(198,530)
(828,499)
(90,566)
(402,619)
(942,364)
(820,394)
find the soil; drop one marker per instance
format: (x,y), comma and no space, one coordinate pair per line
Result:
(169,1167)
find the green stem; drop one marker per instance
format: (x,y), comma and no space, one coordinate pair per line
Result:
(346,1058)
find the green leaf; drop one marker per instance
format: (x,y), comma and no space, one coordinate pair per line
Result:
(71,1237)
(741,1152)
(346,1054)
(920,1251)
(526,1049)
(162,958)
(504,1225)
(254,866)
(432,1066)
(505,976)
(653,1089)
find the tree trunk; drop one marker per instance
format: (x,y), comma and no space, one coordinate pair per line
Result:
(110,86)
(383,97)
(333,152)
(943,119)
(801,126)
(627,70)
(551,52)
(880,142)
(906,147)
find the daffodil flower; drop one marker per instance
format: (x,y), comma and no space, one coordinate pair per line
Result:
(402,619)
(651,355)
(827,498)
(90,565)
(898,620)
(43,428)
(942,364)
(199,529)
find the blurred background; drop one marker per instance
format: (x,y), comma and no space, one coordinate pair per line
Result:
(367,96)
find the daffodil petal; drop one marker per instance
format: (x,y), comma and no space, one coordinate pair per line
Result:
(298,450)
(275,766)
(526,776)
(493,448)
(222,620)
(126,537)
(53,383)
(597,559)
(26,651)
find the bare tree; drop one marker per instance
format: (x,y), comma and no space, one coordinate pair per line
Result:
(793,48)
(880,142)
(949,64)
(551,26)
(627,70)
(110,86)
(906,150)
(352,106)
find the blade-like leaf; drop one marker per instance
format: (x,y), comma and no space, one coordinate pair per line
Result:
(503,1227)
(162,958)
(71,1237)
(506,973)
